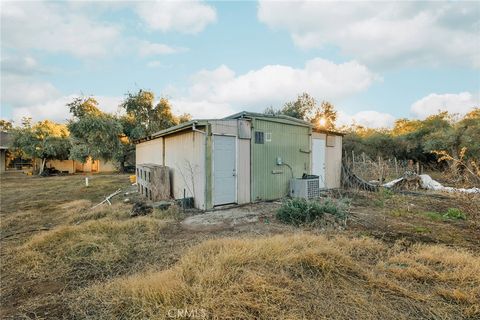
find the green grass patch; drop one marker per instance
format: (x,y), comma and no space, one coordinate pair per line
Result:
(454,213)
(422,229)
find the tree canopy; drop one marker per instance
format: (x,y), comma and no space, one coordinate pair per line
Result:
(144,118)
(44,140)
(305,107)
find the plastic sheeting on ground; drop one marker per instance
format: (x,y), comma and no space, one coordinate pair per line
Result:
(426,182)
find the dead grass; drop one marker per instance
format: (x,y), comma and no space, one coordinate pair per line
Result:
(92,250)
(298,276)
(102,263)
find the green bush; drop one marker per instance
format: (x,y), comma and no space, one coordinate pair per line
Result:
(454,213)
(299,211)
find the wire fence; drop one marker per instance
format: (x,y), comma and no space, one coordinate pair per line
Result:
(380,169)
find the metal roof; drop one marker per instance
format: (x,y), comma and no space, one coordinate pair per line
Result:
(276,118)
(244,114)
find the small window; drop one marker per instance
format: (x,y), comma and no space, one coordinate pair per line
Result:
(268,137)
(330,141)
(259,138)
(137,172)
(149,180)
(150,194)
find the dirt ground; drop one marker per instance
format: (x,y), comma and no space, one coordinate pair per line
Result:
(38,213)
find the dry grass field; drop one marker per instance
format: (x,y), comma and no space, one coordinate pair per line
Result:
(400,256)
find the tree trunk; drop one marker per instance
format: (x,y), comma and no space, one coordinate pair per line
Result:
(42,166)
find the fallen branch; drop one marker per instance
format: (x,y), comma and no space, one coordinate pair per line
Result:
(107,199)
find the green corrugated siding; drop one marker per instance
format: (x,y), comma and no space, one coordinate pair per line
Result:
(287,141)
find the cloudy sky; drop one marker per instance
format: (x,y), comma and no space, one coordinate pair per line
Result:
(375,61)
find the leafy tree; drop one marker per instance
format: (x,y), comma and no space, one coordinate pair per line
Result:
(306,108)
(94,134)
(325,116)
(144,118)
(5,125)
(81,107)
(45,140)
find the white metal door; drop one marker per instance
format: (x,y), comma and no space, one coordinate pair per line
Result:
(224,170)
(318,160)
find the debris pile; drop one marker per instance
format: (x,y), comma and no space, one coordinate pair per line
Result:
(140,208)
(412,181)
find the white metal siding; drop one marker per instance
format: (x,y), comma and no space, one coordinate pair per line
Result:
(149,152)
(243,168)
(185,155)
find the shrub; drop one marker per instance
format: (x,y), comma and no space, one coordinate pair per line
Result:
(454,213)
(299,211)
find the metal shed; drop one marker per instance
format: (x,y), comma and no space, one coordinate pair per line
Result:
(243,158)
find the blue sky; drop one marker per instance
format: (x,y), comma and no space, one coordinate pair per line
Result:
(375,61)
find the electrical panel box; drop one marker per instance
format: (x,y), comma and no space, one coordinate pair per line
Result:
(244,129)
(304,188)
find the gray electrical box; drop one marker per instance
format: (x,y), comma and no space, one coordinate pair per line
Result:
(244,129)
(304,188)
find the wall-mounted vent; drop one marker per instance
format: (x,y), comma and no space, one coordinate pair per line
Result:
(259,137)
(330,141)
(268,137)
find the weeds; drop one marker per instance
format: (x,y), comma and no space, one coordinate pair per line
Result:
(298,211)
(454,213)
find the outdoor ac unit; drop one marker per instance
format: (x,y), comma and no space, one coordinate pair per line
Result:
(304,188)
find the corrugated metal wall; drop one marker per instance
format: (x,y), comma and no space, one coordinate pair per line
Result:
(292,144)
(185,155)
(149,152)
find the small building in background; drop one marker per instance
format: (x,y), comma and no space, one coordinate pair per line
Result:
(242,158)
(72,166)
(4,143)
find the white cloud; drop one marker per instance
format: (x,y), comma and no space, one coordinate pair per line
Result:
(367,118)
(382,33)
(149,49)
(201,109)
(460,103)
(276,84)
(57,28)
(56,110)
(221,92)
(20,91)
(20,65)
(182,16)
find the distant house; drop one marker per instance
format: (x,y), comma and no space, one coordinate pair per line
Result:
(242,158)
(4,143)
(72,166)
